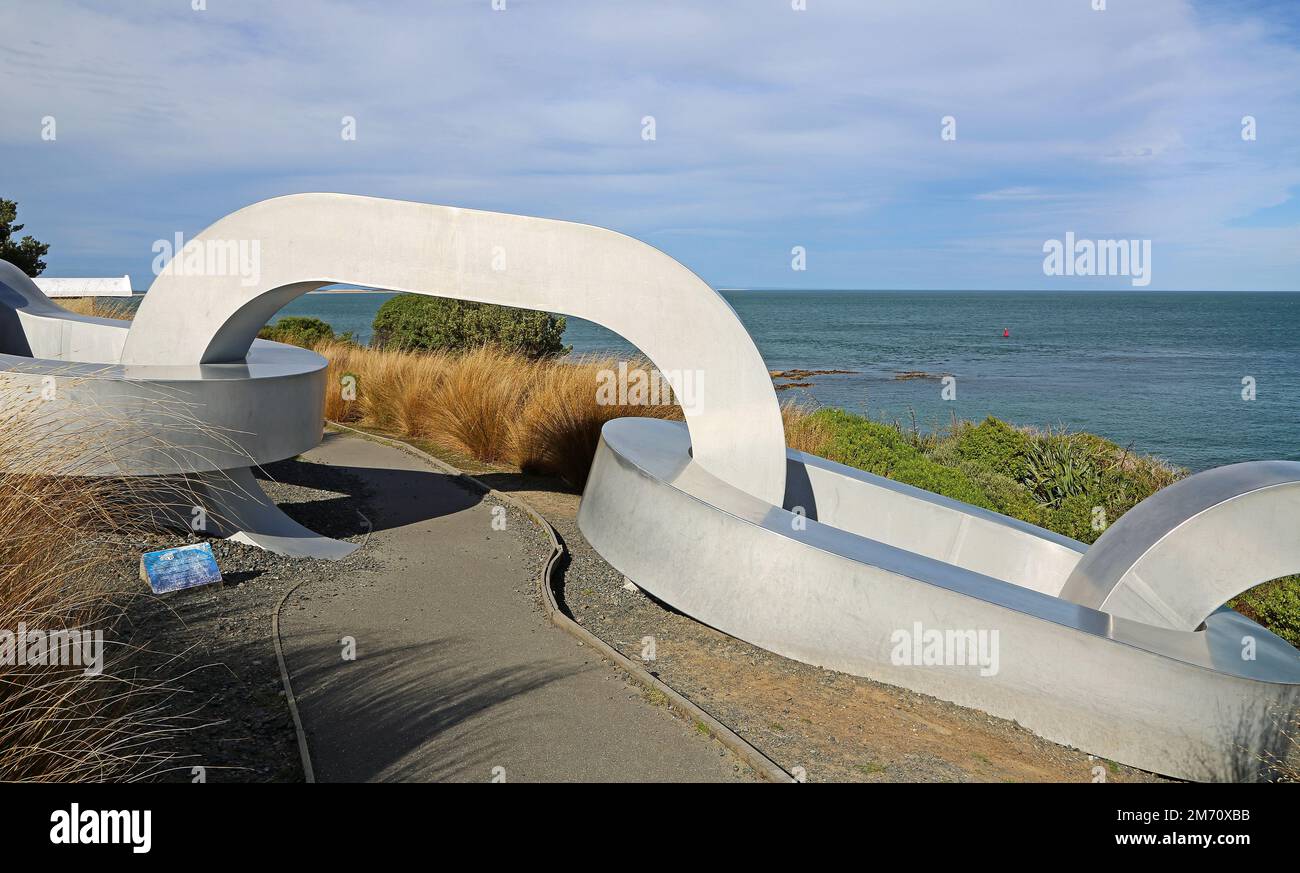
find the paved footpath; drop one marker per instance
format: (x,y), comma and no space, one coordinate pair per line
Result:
(457,671)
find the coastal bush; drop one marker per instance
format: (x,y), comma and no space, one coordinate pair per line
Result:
(301,330)
(883,449)
(1275,605)
(416,322)
(1005,494)
(1074,484)
(993,444)
(1057,467)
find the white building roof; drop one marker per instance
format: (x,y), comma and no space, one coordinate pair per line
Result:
(119,287)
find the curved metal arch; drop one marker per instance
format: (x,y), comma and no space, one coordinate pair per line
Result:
(1176,702)
(306,241)
(1186,550)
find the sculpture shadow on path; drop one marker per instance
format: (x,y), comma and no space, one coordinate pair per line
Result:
(410,496)
(416,710)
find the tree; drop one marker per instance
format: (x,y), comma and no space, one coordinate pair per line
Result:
(416,322)
(302,330)
(26,253)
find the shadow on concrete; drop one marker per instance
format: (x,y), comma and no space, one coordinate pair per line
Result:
(508,483)
(410,496)
(408,706)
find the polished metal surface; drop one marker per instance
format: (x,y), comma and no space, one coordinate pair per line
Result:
(253,518)
(167,418)
(305,241)
(1191,547)
(206,422)
(1187,704)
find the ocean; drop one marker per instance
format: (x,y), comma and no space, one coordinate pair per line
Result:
(1160,372)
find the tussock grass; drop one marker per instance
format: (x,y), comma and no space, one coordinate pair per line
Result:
(99,307)
(471,404)
(56,528)
(558,429)
(498,407)
(804,431)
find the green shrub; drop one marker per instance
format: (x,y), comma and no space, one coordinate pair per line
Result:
(994,445)
(26,254)
(1054,480)
(883,450)
(1076,517)
(1057,467)
(1006,495)
(416,322)
(299,330)
(1275,605)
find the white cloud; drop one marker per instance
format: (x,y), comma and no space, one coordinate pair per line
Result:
(822,125)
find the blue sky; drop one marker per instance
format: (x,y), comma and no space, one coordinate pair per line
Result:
(774,128)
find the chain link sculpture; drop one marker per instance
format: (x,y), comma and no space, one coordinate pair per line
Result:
(1124,649)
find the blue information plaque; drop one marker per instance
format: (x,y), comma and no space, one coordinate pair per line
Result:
(182,567)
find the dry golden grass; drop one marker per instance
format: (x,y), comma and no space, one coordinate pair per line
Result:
(558,427)
(56,722)
(1284,766)
(387,390)
(100,307)
(494,406)
(475,403)
(803,432)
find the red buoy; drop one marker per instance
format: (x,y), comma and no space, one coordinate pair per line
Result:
(1006,332)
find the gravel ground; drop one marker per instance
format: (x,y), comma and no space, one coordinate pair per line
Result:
(215,642)
(823,725)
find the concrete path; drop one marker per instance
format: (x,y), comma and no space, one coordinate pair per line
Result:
(457,671)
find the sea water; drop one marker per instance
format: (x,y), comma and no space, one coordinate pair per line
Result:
(1165,373)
